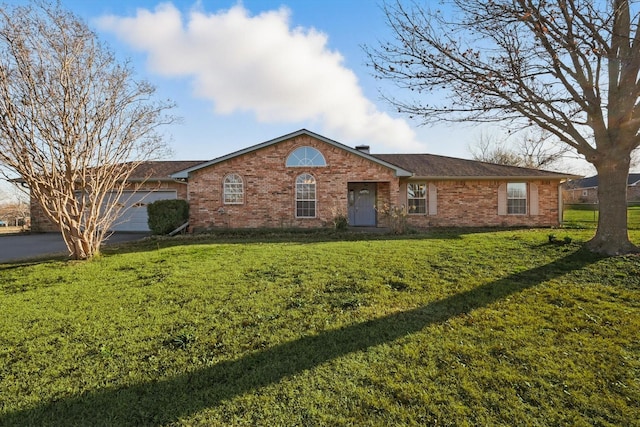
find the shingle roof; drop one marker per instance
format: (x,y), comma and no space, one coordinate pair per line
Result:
(405,165)
(592,181)
(442,167)
(161,170)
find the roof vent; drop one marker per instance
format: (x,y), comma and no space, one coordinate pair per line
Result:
(363,148)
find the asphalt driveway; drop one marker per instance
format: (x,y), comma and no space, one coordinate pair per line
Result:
(24,246)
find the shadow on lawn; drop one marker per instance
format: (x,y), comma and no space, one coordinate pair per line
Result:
(166,401)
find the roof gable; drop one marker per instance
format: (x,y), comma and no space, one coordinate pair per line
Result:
(399,171)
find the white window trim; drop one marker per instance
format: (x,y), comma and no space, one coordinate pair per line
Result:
(525,198)
(225,193)
(314,200)
(425,198)
(289,157)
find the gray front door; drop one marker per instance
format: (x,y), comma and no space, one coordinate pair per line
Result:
(362,201)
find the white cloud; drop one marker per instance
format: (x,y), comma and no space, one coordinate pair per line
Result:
(259,64)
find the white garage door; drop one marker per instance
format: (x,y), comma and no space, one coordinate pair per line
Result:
(134,217)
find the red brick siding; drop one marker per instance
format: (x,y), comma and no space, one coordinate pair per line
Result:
(39,221)
(269,187)
(475,204)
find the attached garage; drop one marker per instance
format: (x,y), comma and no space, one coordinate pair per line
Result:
(152,180)
(134,204)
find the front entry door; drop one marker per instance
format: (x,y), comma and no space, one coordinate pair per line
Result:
(362,201)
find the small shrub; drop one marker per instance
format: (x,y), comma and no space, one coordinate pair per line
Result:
(340,222)
(167,215)
(397,216)
(339,219)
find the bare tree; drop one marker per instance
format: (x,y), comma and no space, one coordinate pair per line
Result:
(533,149)
(540,150)
(15,213)
(570,67)
(490,149)
(74,123)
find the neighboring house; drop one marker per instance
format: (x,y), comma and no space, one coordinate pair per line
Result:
(585,190)
(151,180)
(304,180)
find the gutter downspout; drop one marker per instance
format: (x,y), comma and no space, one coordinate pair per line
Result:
(560,205)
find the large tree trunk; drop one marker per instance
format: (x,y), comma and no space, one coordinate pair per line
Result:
(612,237)
(81,244)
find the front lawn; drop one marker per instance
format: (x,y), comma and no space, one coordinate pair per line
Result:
(486,328)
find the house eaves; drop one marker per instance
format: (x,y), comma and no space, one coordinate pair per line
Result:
(493,178)
(147,171)
(400,172)
(435,167)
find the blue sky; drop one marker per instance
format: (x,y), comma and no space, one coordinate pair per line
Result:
(245,72)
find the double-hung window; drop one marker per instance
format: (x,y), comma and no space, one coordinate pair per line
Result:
(516,198)
(417,198)
(305,196)
(233,189)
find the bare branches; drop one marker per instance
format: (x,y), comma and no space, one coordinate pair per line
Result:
(70,117)
(570,66)
(532,149)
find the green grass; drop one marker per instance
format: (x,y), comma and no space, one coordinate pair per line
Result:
(484,328)
(586,216)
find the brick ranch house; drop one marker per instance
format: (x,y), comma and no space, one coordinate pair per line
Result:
(304,180)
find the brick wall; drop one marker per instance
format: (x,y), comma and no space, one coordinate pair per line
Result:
(269,187)
(475,204)
(39,221)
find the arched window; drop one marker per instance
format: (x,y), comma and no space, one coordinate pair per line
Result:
(305,156)
(233,189)
(305,196)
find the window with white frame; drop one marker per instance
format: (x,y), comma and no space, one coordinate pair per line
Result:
(516,198)
(305,156)
(305,196)
(417,198)
(233,189)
